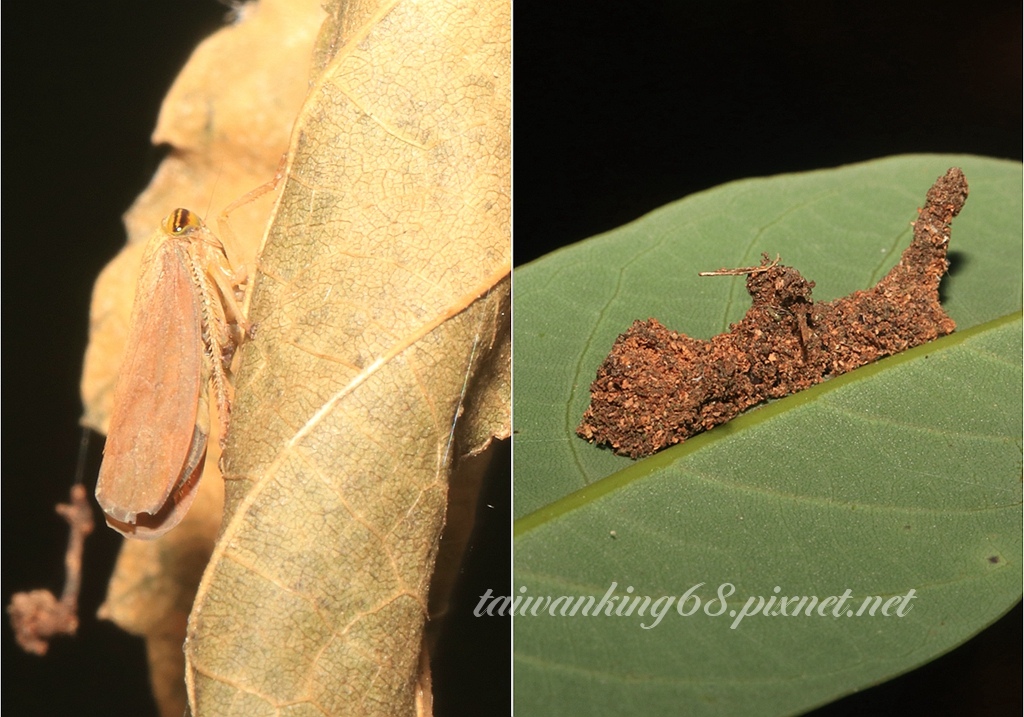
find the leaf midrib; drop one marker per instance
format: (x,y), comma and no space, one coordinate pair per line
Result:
(747,420)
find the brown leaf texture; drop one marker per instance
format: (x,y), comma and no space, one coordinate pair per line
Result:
(380,359)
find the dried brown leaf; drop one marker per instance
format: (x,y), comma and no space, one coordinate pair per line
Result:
(381,301)
(381,359)
(381,307)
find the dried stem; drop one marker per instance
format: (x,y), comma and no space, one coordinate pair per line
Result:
(37,616)
(764,266)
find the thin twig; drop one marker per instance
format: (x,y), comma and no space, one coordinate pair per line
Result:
(742,271)
(37,616)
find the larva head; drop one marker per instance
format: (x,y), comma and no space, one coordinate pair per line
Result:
(181,221)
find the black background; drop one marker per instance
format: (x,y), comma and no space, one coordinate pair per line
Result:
(623,107)
(619,108)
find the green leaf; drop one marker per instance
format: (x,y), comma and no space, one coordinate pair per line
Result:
(903,475)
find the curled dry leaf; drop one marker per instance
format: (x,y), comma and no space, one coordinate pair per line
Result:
(381,310)
(381,357)
(381,292)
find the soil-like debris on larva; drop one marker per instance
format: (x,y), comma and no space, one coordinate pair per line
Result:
(658,387)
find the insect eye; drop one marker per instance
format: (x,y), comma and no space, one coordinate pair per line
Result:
(180,221)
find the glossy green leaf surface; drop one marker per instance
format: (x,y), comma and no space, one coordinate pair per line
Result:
(902,476)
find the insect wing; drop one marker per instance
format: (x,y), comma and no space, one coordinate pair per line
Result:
(153,444)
